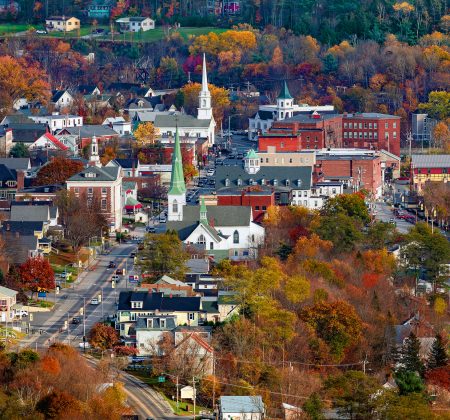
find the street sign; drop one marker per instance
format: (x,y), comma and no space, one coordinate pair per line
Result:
(42,294)
(161,379)
(31,317)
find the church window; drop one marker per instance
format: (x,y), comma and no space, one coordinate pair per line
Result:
(175,207)
(281,115)
(211,245)
(201,240)
(236,237)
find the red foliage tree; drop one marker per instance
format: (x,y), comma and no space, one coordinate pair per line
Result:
(439,376)
(125,351)
(58,171)
(35,274)
(103,336)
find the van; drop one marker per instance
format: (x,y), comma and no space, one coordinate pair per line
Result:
(94,301)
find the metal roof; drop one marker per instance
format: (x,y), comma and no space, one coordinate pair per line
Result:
(241,404)
(431,161)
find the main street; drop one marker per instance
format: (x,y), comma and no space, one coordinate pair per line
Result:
(56,326)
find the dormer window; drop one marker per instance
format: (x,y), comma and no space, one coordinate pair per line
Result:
(263,181)
(149,323)
(136,304)
(239,182)
(288,182)
(162,323)
(90,175)
(299,182)
(227,182)
(275,182)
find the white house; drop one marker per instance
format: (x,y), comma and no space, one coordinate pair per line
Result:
(318,195)
(241,408)
(119,125)
(70,141)
(135,24)
(48,142)
(56,122)
(262,121)
(7,301)
(61,99)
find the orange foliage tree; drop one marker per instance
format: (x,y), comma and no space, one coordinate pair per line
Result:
(36,273)
(58,171)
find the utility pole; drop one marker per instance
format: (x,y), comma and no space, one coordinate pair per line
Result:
(364,362)
(194,395)
(68,329)
(214,383)
(84,324)
(177,397)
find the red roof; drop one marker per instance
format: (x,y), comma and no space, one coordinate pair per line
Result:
(55,141)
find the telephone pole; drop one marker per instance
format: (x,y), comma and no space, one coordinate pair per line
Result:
(194,394)
(177,395)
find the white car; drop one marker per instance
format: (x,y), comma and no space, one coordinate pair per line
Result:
(21,313)
(94,301)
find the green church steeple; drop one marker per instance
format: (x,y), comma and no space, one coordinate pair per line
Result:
(203,212)
(177,185)
(285,94)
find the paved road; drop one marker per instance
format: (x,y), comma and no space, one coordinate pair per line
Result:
(384,214)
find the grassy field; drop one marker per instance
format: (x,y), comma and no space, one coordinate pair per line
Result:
(158,34)
(9,28)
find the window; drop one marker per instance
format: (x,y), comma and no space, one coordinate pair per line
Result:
(162,323)
(394,125)
(236,237)
(282,145)
(239,182)
(191,316)
(256,208)
(175,207)
(365,134)
(305,193)
(281,114)
(227,182)
(275,182)
(262,160)
(386,125)
(375,135)
(133,314)
(350,125)
(360,125)
(315,203)
(211,245)
(267,160)
(288,182)
(201,240)
(290,160)
(365,125)
(345,135)
(345,125)
(395,134)
(333,190)
(370,135)
(104,204)
(104,190)
(360,135)
(264,208)
(375,125)
(90,191)
(350,135)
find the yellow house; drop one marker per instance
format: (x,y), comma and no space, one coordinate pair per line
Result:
(62,23)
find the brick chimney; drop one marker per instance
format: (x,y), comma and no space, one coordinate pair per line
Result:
(20,180)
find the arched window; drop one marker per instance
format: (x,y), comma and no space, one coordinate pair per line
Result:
(175,207)
(201,240)
(236,237)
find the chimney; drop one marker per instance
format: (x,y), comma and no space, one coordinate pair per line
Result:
(20,176)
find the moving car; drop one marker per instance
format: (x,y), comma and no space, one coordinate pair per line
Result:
(112,264)
(94,301)
(115,277)
(162,220)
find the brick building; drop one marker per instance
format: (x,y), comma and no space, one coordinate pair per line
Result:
(304,131)
(328,130)
(370,130)
(356,169)
(259,198)
(104,182)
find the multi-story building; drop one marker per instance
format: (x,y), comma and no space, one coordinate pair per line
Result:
(434,168)
(422,127)
(355,169)
(328,130)
(102,182)
(371,130)
(285,108)
(304,131)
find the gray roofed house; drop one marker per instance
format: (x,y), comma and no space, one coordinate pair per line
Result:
(88,131)
(22,164)
(18,118)
(20,247)
(27,132)
(306,117)
(30,213)
(371,115)
(7,292)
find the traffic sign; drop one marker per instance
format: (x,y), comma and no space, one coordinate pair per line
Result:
(161,379)
(42,294)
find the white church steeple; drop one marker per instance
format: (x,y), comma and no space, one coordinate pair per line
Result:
(204,98)
(95,158)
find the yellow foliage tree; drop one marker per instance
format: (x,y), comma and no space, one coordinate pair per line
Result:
(146,134)
(439,306)
(232,40)
(220,99)
(441,136)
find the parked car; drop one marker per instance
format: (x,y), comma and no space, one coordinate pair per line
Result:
(150,229)
(112,264)
(120,271)
(41,31)
(115,277)
(21,313)
(162,220)
(76,320)
(132,254)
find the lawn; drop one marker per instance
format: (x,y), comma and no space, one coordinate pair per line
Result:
(158,34)
(84,30)
(8,28)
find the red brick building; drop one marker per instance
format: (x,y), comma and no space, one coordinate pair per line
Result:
(317,131)
(259,198)
(353,168)
(372,131)
(304,131)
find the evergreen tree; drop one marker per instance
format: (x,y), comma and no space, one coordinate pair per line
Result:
(438,354)
(410,357)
